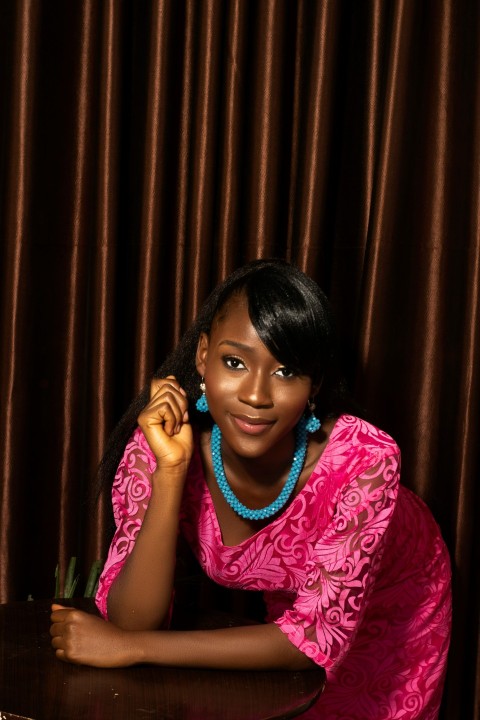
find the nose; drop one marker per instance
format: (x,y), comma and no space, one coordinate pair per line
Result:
(255,390)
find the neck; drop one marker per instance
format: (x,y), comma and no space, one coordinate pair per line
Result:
(265,470)
(282,498)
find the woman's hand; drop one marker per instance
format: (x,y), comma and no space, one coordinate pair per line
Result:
(85,639)
(164,422)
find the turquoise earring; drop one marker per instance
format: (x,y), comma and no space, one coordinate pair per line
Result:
(313,423)
(202,404)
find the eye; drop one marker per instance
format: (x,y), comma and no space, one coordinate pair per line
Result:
(233,362)
(285,372)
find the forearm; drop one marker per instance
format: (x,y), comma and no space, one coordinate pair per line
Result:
(257,647)
(140,597)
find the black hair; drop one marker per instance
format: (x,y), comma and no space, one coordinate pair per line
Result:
(292,317)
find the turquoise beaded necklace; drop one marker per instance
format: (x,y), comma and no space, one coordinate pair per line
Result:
(227,492)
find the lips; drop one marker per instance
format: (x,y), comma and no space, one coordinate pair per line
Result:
(252,425)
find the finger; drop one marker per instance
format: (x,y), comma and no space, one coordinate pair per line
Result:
(170,395)
(172,377)
(169,414)
(62,655)
(59,615)
(177,384)
(57,642)
(157,384)
(167,408)
(162,415)
(57,629)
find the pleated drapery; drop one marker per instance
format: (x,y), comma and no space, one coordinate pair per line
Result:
(147,149)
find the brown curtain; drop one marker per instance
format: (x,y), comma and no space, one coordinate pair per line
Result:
(147,149)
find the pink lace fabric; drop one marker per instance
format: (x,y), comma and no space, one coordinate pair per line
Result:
(354,571)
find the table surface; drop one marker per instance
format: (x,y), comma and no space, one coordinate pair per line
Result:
(34,684)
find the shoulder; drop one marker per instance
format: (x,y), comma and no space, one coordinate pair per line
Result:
(356,445)
(357,433)
(364,469)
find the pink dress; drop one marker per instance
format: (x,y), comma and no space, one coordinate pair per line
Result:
(354,571)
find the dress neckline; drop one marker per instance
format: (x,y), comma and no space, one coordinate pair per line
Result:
(315,472)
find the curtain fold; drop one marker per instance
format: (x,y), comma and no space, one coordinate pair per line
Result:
(231,173)
(152,197)
(201,171)
(148,149)
(181,174)
(265,129)
(379,247)
(314,133)
(102,260)
(74,271)
(15,211)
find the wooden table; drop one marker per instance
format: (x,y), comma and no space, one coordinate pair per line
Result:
(34,684)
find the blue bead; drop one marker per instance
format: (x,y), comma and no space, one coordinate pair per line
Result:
(201,404)
(313,424)
(276,505)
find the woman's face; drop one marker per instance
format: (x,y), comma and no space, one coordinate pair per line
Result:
(254,399)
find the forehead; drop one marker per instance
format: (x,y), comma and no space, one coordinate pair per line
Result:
(235,309)
(233,321)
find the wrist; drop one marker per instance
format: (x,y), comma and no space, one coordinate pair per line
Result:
(164,477)
(141,651)
(136,646)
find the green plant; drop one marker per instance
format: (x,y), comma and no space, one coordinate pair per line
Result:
(92,582)
(71,580)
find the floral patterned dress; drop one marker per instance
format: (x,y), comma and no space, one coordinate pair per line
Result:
(354,571)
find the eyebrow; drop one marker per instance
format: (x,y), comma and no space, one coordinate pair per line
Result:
(233,343)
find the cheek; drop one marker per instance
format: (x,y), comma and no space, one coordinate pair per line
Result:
(291,401)
(293,406)
(219,384)
(297,397)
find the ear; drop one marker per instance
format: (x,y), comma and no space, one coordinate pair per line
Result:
(202,354)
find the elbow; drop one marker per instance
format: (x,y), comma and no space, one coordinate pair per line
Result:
(296,660)
(302,662)
(133,619)
(289,655)
(136,618)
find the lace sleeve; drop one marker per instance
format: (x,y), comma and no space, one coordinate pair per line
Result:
(342,567)
(130,496)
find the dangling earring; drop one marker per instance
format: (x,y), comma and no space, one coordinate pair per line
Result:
(313,423)
(202,404)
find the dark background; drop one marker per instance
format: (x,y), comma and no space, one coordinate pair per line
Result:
(148,148)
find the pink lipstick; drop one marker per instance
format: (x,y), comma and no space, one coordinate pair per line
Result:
(251,426)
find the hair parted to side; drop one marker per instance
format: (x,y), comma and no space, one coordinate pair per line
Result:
(292,317)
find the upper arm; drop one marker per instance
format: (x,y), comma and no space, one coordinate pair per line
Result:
(343,565)
(130,496)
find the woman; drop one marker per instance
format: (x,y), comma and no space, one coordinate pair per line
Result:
(248,447)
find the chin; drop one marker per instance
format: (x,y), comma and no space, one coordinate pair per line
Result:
(255,444)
